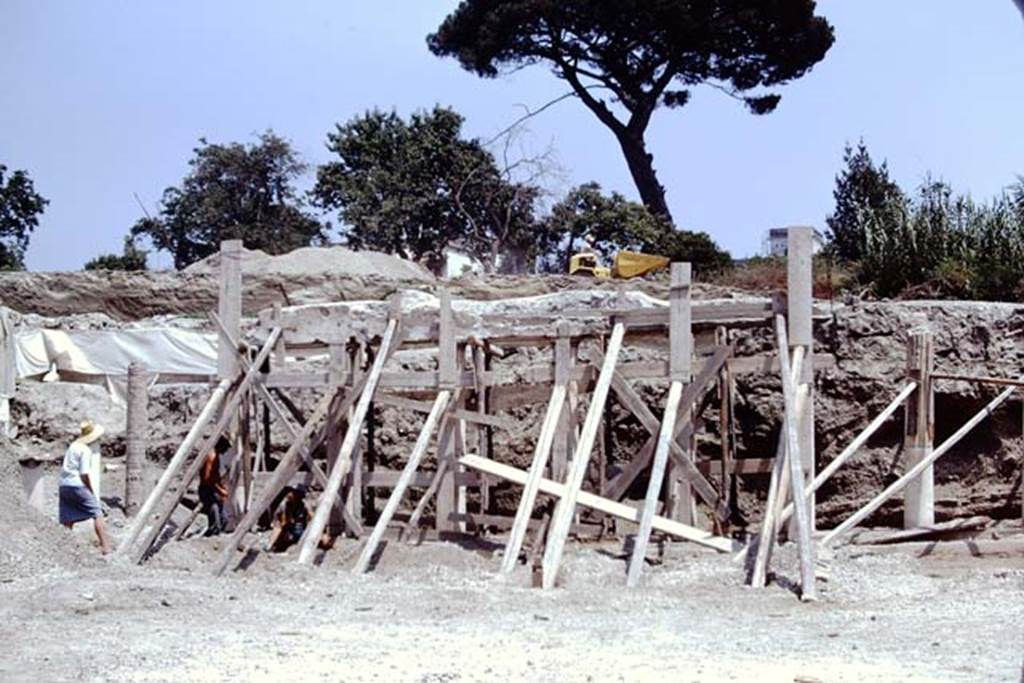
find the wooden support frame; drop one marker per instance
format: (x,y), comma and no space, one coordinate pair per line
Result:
(901,483)
(845,455)
(229,413)
(287,466)
(564,511)
(317,524)
(604,505)
(684,429)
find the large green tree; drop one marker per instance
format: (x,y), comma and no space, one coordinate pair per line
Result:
(20,208)
(864,194)
(415,187)
(612,223)
(625,58)
(234,191)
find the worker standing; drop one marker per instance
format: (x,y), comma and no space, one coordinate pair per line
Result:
(212,491)
(79,484)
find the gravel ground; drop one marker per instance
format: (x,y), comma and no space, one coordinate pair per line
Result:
(438,613)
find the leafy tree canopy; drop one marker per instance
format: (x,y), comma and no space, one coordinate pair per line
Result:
(234,191)
(862,189)
(612,223)
(643,54)
(20,208)
(130,258)
(415,187)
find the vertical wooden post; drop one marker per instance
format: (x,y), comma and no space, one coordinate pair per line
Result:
(135,448)
(447,379)
(479,370)
(919,429)
(681,504)
(800,308)
(725,419)
(561,520)
(229,304)
(563,368)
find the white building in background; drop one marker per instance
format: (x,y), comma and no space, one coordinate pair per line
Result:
(775,242)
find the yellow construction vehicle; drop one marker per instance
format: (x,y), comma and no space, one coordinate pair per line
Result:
(627,264)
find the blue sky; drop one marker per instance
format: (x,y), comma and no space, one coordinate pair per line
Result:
(103,99)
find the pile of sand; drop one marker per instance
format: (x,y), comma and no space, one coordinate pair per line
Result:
(337,261)
(34,543)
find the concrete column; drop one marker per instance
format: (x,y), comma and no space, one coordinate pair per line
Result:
(135,434)
(919,432)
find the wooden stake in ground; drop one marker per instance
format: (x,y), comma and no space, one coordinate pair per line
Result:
(135,441)
(561,523)
(796,470)
(341,466)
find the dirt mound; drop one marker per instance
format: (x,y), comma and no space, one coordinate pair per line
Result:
(34,544)
(338,261)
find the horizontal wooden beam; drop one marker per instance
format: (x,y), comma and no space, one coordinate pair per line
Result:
(739,466)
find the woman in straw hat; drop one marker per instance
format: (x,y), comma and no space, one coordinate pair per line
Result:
(78,501)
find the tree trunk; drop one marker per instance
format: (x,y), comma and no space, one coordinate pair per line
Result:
(641,167)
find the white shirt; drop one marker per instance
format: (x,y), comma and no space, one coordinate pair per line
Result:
(78,460)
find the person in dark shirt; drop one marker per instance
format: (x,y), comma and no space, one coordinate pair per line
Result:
(290,520)
(212,491)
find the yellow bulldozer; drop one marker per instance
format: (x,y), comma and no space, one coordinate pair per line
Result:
(627,264)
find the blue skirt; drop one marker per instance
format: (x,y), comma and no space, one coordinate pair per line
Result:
(78,504)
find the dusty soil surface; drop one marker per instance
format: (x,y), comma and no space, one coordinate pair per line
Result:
(438,613)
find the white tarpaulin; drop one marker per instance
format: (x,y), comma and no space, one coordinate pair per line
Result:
(106,354)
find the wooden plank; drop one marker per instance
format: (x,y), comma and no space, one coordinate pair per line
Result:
(229,304)
(665,440)
(776,495)
(206,415)
(280,478)
(562,519)
(228,414)
(542,451)
(449,494)
(680,502)
(736,466)
(425,406)
(799,317)
(433,481)
(808,589)
(901,483)
(395,499)
(610,507)
(999,381)
(919,428)
(769,364)
(316,526)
